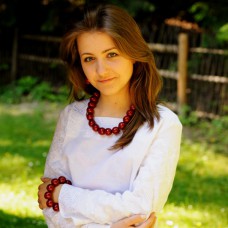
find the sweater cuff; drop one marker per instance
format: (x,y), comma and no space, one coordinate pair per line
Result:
(72,205)
(69,200)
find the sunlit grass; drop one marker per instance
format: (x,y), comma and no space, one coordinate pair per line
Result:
(199,195)
(25,136)
(198,198)
(189,216)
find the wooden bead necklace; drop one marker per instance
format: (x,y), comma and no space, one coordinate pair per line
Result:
(106,131)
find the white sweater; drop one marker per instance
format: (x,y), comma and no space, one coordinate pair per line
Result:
(109,185)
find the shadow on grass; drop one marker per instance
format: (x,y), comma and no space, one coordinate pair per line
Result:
(12,221)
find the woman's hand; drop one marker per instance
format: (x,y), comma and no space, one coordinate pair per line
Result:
(136,221)
(42,189)
(132,221)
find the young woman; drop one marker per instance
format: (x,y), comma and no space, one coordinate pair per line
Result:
(119,148)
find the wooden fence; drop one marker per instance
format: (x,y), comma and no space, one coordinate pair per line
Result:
(207,94)
(183,77)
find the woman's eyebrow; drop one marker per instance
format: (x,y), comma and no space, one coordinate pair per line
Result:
(106,50)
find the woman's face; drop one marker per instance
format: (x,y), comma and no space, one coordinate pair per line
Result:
(106,68)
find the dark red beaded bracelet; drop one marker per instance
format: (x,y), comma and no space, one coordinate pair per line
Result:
(51,187)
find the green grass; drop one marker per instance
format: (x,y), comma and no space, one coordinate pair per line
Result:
(198,198)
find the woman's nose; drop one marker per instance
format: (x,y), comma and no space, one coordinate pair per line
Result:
(101,67)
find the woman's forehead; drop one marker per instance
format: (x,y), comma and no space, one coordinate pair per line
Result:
(97,42)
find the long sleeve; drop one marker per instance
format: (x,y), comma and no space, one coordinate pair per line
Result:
(55,167)
(148,193)
(54,164)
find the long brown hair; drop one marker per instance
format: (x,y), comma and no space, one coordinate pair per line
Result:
(145,83)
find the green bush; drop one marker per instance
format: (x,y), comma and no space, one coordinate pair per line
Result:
(29,88)
(188,117)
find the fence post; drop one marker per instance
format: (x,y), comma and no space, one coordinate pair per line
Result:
(182,71)
(14,56)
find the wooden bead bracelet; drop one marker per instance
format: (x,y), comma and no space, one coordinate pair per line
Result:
(50,189)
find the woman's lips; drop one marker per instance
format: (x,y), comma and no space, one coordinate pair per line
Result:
(105,80)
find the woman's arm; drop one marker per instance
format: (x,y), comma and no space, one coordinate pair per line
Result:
(135,220)
(55,167)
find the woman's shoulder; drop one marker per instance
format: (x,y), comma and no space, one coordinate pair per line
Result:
(76,107)
(167,115)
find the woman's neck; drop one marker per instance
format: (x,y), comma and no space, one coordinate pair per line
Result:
(112,106)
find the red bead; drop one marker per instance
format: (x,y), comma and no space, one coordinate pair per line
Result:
(96,94)
(95,127)
(101,131)
(132,107)
(89,116)
(122,125)
(91,123)
(90,110)
(130,112)
(126,119)
(115,130)
(108,131)
(47,195)
(68,182)
(94,99)
(49,203)
(92,104)
(55,207)
(62,180)
(50,187)
(55,181)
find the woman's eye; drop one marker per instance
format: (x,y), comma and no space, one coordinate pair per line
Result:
(88,59)
(112,54)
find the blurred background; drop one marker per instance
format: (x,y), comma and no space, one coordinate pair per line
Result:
(189,40)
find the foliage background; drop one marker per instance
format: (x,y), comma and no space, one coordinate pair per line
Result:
(57,14)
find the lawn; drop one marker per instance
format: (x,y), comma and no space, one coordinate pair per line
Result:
(198,199)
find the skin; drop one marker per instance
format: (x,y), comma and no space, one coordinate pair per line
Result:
(109,71)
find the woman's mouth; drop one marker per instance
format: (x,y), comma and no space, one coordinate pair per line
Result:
(105,80)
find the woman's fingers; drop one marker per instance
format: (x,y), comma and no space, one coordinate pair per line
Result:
(41,191)
(45,179)
(153,218)
(134,219)
(129,221)
(150,222)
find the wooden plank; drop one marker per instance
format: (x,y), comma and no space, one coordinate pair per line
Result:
(209,78)
(163,47)
(208,51)
(182,71)
(42,38)
(40,59)
(168,74)
(14,57)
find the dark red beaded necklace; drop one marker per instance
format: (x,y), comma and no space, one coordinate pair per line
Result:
(106,131)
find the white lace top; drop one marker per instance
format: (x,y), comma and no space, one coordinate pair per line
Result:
(110,185)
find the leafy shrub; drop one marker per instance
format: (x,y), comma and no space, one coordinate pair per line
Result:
(213,132)
(29,88)
(188,117)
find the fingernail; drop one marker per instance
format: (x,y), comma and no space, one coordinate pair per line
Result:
(143,216)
